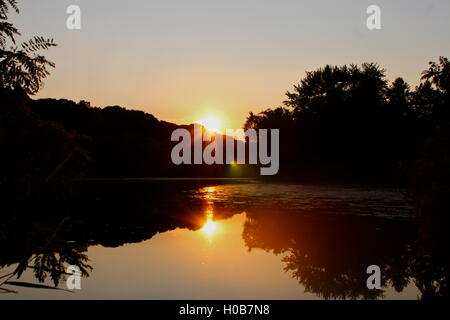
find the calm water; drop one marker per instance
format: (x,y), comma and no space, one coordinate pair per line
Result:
(183,240)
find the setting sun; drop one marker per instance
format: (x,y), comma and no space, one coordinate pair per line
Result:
(211,123)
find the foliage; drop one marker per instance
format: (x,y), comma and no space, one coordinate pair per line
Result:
(346,123)
(39,158)
(21,66)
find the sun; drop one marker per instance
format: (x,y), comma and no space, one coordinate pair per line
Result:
(211,123)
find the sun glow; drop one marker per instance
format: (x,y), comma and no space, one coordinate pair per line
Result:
(210,227)
(211,123)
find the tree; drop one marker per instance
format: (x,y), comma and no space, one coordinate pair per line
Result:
(342,123)
(437,81)
(398,94)
(39,158)
(439,74)
(21,66)
(332,86)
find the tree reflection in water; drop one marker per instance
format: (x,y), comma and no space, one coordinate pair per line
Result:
(327,254)
(39,247)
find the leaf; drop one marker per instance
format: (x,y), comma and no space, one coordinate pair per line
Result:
(7,291)
(7,275)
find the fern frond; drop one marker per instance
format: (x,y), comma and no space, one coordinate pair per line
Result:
(19,69)
(7,30)
(21,66)
(37,43)
(4,8)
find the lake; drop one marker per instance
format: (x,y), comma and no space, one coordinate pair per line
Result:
(219,239)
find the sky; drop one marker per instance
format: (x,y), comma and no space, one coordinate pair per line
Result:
(183,60)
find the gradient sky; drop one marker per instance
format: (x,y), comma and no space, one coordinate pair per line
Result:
(182,60)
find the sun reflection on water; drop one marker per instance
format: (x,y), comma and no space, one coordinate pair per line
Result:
(210,226)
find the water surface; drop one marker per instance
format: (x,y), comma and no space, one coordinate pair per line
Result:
(182,240)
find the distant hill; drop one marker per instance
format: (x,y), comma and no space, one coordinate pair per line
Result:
(127,143)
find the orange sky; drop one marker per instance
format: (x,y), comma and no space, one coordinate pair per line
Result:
(185,60)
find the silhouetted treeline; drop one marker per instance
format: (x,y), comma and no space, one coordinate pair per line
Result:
(38,158)
(127,143)
(348,124)
(47,143)
(340,124)
(124,143)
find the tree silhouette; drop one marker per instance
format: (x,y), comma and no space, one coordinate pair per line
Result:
(39,158)
(42,248)
(21,66)
(439,74)
(347,124)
